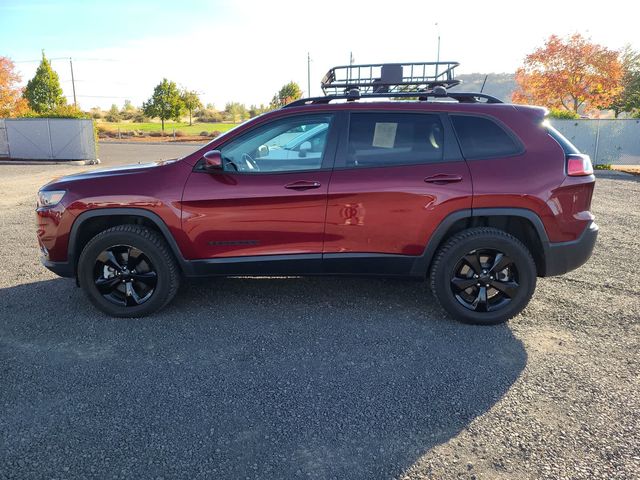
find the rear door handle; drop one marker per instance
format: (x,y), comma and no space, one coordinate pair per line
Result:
(443,178)
(302,185)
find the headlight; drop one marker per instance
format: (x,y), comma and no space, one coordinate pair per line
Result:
(49,198)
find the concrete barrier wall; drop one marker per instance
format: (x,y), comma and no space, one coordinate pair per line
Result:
(50,139)
(615,142)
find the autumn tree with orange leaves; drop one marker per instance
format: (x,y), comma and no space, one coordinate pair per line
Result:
(571,74)
(11,102)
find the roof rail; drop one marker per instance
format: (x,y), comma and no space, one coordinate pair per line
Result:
(437,93)
(389,77)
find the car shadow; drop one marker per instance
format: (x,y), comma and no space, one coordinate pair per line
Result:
(242,378)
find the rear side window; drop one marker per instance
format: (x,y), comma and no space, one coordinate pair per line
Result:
(481,137)
(388,139)
(568,147)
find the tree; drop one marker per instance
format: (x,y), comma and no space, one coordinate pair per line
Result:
(287,94)
(12,104)
(128,110)
(572,74)
(236,112)
(113,115)
(629,98)
(165,103)
(191,102)
(43,91)
(254,110)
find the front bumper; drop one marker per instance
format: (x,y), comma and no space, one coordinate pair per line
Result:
(53,226)
(562,257)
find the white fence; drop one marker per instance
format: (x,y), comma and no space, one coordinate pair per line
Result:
(47,139)
(615,142)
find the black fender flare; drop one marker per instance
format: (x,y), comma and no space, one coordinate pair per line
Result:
(423,262)
(124,211)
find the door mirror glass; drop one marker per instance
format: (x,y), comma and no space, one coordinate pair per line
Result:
(213,160)
(304,148)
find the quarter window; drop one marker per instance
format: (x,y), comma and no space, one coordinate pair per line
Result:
(388,139)
(291,144)
(481,137)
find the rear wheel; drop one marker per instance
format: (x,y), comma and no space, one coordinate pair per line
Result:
(128,271)
(483,276)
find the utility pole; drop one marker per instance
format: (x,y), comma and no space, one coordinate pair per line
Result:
(308,75)
(73,83)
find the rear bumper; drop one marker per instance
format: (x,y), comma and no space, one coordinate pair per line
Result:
(62,269)
(563,257)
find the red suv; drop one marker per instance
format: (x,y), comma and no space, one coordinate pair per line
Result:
(478,196)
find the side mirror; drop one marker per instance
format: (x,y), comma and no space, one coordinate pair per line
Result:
(213,161)
(304,148)
(263,151)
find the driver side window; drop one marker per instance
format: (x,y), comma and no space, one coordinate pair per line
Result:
(285,145)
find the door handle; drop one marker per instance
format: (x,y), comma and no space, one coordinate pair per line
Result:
(443,178)
(302,185)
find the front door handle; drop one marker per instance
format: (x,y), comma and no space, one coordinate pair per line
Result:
(302,185)
(443,178)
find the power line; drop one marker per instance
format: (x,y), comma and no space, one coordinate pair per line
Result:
(81,59)
(100,96)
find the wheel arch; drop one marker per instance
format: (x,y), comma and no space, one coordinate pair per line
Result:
(90,223)
(522,223)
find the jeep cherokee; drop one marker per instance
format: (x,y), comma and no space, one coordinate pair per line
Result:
(477,196)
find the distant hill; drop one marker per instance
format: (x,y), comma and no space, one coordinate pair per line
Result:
(500,85)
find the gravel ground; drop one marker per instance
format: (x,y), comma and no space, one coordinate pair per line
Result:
(319,378)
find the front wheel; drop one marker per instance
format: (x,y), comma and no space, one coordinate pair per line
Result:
(483,276)
(128,271)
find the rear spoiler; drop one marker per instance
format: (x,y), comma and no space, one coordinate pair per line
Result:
(537,114)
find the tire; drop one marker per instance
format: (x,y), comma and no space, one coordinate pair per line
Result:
(469,264)
(107,271)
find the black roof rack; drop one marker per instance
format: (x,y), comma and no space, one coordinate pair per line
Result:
(389,77)
(421,80)
(437,93)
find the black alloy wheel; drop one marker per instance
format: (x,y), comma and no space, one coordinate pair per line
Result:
(125,276)
(485,280)
(128,271)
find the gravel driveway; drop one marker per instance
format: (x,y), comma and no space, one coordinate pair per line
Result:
(319,378)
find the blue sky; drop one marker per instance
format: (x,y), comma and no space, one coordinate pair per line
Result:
(245,50)
(68,24)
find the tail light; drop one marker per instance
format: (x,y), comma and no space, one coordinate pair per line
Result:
(579,165)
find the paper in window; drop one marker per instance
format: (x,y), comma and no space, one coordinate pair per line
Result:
(384,136)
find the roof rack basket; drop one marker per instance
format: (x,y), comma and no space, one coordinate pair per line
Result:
(389,77)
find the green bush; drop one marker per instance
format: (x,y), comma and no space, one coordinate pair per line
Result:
(207,115)
(96,113)
(563,114)
(140,117)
